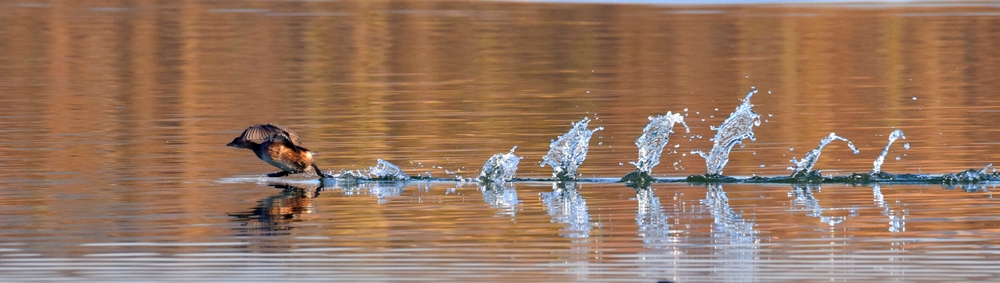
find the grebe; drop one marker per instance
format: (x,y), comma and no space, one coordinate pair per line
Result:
(279,147)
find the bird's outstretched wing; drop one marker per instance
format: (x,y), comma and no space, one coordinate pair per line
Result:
(260,133)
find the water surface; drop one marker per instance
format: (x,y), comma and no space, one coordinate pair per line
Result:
(116,118)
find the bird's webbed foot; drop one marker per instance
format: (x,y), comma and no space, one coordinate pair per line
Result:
(278,174)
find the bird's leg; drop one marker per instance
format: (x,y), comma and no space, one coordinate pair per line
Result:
(318,189)
(320,172)
(278,174)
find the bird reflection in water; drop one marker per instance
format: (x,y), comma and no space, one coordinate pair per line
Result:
(275,213)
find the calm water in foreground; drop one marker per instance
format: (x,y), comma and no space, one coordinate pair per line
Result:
(115,118)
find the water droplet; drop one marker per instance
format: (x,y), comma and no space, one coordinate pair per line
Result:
(769,92)
(716,109)
(748,77)
(762,166)
(685,110)
(770,114)
(588,91)
(914,98)
(897,157)
(600,143)
(621,163)
(791,149)
(697,112)
(906,146)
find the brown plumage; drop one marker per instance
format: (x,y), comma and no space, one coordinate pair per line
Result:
(279,147)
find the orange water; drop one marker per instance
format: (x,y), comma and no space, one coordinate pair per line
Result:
(116,115)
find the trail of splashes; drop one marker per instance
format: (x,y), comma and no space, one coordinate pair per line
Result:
(737,127)
(382,171)
(569,151)
(972,175)
(896,134)
(804,166)
(500,168)
(654,138)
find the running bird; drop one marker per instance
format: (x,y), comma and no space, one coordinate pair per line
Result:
(279,147)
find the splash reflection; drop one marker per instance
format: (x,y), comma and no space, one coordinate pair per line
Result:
(804,200)
(897,218)
(664,248)
(502,196)
(380,189)
(969,188)
(736,242)
(567,206)
(653,221)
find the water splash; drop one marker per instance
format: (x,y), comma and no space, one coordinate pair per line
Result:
(383,171)
(734,129)
(896,134)
(971,176)
(500,168)
(804,166)
(568,152)
(654,138)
